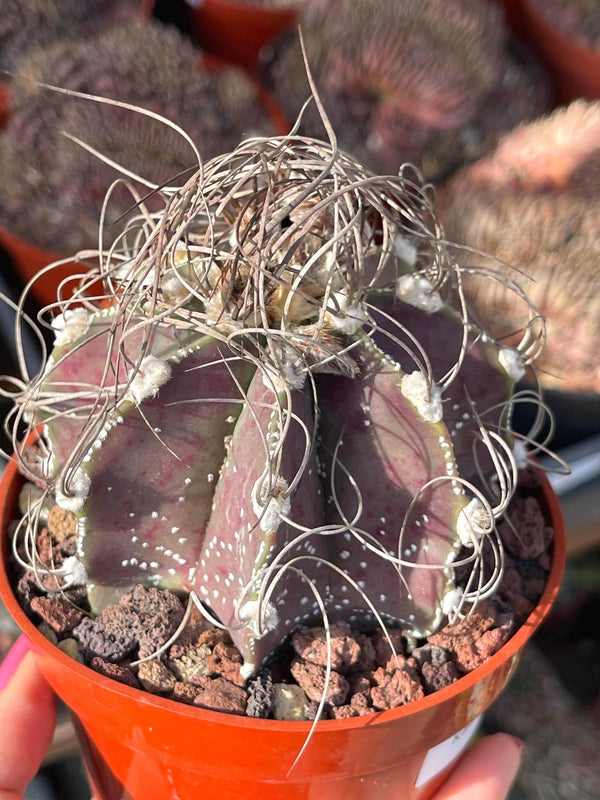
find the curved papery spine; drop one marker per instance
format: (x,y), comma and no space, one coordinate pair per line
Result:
(151,470)
(266,501)
(476,395)
(389,476)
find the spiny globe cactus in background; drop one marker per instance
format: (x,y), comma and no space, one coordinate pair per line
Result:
(52,189)
(30,25)
(577,18)
(429,82)
(535,203)
(279,405)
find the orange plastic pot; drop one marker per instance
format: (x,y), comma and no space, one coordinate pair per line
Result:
(141,747)
(574,67)
(29,261)
(237,31)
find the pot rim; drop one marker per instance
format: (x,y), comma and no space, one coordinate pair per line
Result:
(235,7)
(8,488)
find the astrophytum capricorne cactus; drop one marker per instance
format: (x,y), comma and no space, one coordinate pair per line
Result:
(278,404)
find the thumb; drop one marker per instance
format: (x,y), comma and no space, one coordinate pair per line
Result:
(486,771)
(28,714)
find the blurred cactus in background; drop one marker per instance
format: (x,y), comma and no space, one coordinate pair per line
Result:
(535,203)
(52,189)
(428,82)
(30,25)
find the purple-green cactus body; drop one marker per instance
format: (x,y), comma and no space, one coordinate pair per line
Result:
(479,392)
(225,493)
(380,452)
(268,494)
(144,491)
(86,369)
(148,525)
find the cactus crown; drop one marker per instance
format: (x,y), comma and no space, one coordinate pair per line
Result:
(271,395)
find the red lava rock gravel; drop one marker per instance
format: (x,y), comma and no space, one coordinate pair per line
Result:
(368,671)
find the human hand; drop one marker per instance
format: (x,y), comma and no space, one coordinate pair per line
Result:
(484,772)
(28,714)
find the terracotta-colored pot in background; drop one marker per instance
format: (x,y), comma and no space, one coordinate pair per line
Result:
(28,260)
(137,746)
(574,67)
(4,102)
(237,31)
(511,12)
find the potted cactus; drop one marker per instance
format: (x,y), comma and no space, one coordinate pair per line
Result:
(533,202)
(427,82)
(276,419)
(150,65)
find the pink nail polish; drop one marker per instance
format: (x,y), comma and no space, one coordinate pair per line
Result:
(12,660)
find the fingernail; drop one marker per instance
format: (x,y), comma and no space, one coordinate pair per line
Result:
(518,743)
(12,660)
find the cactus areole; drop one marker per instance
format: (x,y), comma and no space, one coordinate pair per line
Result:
(279,405)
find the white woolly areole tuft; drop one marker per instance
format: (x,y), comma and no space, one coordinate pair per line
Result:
(79,485)
(512,362)
(343,317)
(143,277)
(417,291)
(474,521)
(248,668)
(250,614)
(451,601)
(173,289)
(427,400)
(278,505)
(405,250)
(520,453)
(70,326)
(290,371)
(151,374)
(74,572)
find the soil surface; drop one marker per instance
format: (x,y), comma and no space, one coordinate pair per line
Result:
(365,672)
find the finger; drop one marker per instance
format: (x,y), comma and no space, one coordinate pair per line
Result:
(12,659)
(486,772)
(28,714)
